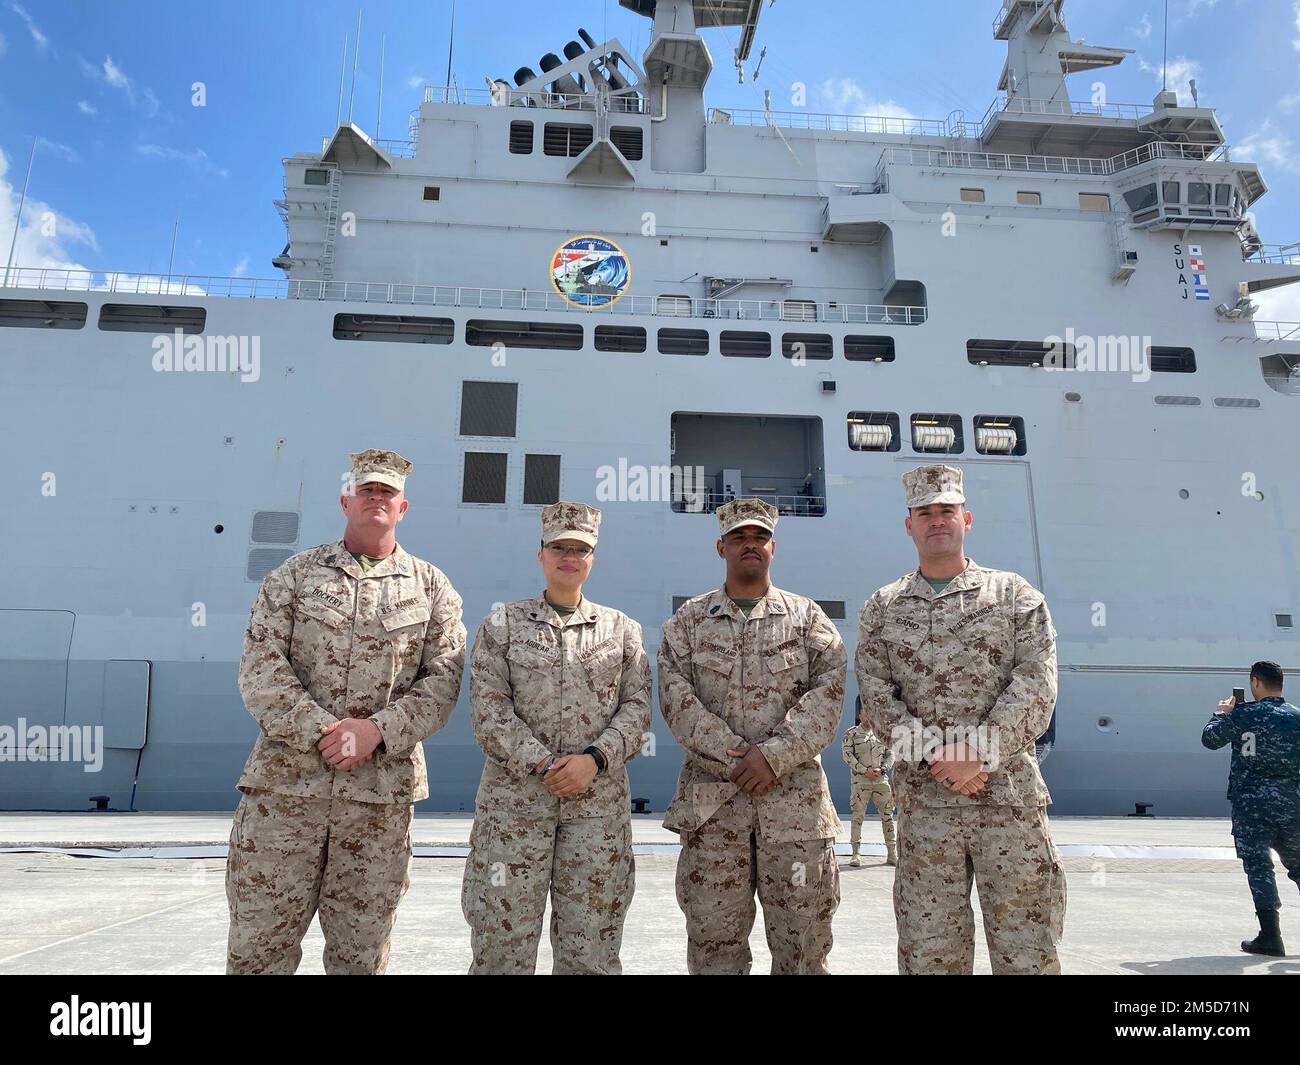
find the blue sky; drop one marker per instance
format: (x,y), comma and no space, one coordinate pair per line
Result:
(107,86)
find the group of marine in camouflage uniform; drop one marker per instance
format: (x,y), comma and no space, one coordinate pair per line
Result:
(354,654)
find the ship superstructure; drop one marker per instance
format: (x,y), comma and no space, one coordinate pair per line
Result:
(581,282)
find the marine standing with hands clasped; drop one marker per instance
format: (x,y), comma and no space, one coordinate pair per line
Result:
(751,683)
(869,760)
(560,703)
(353,656)
(957,668)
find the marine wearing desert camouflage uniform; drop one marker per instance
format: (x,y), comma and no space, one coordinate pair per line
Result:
(869,760)
(752,688)
(969,653)
(560,703)
(353,656)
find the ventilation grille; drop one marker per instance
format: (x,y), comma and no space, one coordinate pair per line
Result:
(630,141)
(521,138)
(485,477)
(561,139)
(1177,401)
(141,318)
(275,527)
(38,314)
(262,560)
(488,408)
(1241,404)
(541,480)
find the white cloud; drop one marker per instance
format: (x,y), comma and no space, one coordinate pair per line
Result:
(195,157)
(845,96)
(1181,71)
(61,150)
(1289,103)
(1296,42)
(415,81)
(1143,29)
(42,41)
(1279,304)
(86,109)
(115,77)
(240,268)
(44,231)
(1267,145)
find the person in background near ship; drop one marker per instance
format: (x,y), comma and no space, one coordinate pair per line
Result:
(957,667)
(1264,789)
(560,702)
(869,761)
(751,683)
(353,656)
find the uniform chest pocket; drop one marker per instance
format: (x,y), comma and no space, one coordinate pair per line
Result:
(311,610)
(406,619)
(779,659)
(908,636)
(528,661)
(717,662)
(604,665)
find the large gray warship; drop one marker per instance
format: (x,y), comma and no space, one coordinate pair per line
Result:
(580,282)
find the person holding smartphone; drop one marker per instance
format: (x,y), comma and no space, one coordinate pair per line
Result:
(1264,789)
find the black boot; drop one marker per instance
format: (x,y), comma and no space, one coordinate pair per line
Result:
(1269,940)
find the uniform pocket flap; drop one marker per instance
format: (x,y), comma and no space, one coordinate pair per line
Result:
(400,619)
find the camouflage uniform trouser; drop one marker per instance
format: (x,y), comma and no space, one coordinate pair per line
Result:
(862,793)
(290,857)
(1256,836)
(1008,852)
(585,864)
(723,863)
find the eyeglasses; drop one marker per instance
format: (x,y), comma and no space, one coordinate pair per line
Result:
(557,550)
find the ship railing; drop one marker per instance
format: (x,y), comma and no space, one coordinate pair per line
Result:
(1274,331)
(688,501)
(627,103)
(1276,255)
(1030,164)
(1020,105)
(1050,164)
(399,149)
(497,299)
(891,125)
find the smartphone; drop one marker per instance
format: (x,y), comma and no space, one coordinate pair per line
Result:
(1239,696)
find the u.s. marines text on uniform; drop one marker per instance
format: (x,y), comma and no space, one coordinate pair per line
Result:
(353,655)
(751,683)
(560,702)
(968,654)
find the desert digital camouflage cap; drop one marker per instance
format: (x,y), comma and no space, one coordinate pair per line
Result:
(382,467)
(570,521)
(933,484)
(746,512)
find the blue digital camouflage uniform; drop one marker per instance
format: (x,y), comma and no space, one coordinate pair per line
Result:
(1264,789)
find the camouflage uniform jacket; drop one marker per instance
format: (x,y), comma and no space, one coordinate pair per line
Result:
(775,680)
(542,686)
(1265,738)
(327,641)
(980,653)
(864,752)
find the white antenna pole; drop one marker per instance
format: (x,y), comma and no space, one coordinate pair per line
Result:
(1164,71)
(379,112)
(343,73)
(172,257)
(356,54)
(18,218)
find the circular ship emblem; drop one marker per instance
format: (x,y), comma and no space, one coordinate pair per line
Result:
(590,272)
